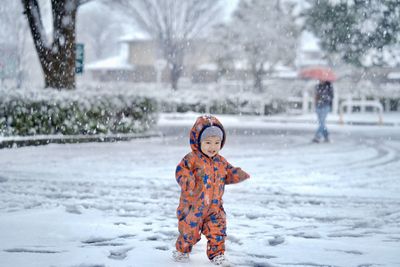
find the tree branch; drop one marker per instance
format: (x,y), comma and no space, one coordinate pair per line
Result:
(32,11)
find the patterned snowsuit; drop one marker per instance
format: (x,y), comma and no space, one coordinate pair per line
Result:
(202,181)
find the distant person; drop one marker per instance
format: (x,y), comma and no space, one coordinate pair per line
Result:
(202,175)
(323,105)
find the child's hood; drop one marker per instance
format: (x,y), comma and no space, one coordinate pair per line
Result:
(199,126)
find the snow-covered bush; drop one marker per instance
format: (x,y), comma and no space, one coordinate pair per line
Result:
(229,98)
(69,113)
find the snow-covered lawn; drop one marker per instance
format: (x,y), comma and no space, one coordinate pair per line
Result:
(113,204)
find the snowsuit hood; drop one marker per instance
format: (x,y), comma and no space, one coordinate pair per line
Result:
(199,126)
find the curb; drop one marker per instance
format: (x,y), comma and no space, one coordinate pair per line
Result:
(21,141)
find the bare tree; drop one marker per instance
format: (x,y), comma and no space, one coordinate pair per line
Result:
(57,58)
(263,33)
(100,38)
(172,24)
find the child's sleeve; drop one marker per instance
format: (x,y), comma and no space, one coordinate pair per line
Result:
(235,175)
(184,175)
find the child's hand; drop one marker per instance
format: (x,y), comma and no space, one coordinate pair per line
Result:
(235,175)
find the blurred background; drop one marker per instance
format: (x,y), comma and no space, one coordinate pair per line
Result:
(226,56)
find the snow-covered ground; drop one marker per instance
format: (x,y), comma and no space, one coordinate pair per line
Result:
(113,204)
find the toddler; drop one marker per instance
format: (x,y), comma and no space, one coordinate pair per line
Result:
(202,175)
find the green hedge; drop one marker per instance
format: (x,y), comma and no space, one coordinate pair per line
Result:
(71,113)
(224,106)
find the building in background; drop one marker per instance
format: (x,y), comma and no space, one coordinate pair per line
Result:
(139,61)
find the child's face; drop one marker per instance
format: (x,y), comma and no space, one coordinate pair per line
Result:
(211,146)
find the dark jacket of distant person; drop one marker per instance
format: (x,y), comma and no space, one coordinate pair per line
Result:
(324,94)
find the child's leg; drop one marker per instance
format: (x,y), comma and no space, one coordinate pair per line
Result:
(214,229)
(189,233)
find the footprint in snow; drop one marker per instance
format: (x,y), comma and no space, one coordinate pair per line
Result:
(257,264)
(102,242)
(252,216)
(126,236)
(94,240)
(392,239)
(119,254)
(165,248)
(354,252)
(346,235)
(120,223)
(262,256)
(276,240)
(28,250)
(153,238)
(73,209)
(309,235)
(234,239)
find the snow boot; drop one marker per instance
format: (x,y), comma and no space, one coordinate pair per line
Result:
(221,260)
(180,256)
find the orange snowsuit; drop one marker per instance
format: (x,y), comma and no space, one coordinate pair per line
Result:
(202,181)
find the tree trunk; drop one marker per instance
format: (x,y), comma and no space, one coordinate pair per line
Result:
(174,53)
(176,71)
(258,73)
(57,59)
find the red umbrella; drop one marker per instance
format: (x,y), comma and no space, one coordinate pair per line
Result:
(318,73)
